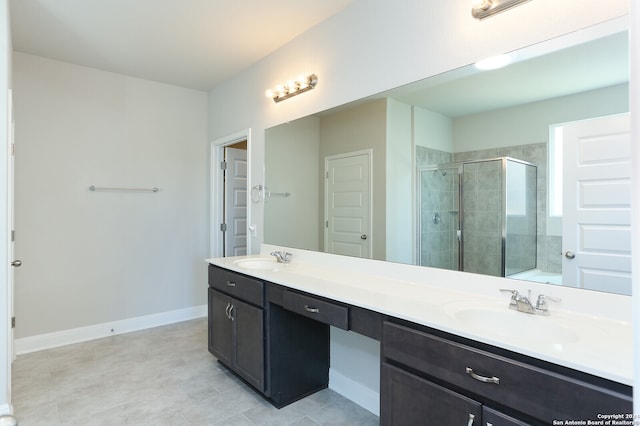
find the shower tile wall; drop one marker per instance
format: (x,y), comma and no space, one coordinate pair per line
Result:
(428,156)
(549,247)
(439,196)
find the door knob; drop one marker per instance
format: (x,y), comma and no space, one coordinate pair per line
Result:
(570,255)
(16,263)
(363,236)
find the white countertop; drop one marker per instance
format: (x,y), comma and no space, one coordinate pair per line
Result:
(601,345)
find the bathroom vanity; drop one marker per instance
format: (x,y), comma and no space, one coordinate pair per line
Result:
(269,323)
(256,338)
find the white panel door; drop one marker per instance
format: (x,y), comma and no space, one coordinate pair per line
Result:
(348,204)
(235,202)
(596,226)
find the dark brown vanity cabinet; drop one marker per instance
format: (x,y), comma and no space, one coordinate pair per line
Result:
(282,354)
(277,339)
(409,399)
(429,377)
(236,324)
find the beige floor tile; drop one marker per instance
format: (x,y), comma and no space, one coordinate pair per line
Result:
(163,376)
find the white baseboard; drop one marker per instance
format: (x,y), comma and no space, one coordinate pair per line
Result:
(356,392)
(66,337)
(5,409)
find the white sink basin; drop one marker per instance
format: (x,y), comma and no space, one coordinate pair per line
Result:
(511,325)
(260,263)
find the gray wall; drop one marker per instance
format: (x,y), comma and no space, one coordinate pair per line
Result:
(97,257)
(292,165)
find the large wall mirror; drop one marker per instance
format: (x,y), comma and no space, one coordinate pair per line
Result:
(467,170)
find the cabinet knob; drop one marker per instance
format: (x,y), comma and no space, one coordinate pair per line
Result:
(363,236)
(570,255)
(16,263)
(231,284)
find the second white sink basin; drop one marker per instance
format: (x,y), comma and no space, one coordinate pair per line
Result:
(509,324)
(260,263)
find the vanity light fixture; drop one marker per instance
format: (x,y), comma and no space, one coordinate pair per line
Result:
(481,9)
(292,88)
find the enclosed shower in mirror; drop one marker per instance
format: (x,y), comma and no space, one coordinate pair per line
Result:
(478,216)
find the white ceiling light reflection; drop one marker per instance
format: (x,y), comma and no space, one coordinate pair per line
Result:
(493,63)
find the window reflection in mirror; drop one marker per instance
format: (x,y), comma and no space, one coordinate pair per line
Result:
(437,125)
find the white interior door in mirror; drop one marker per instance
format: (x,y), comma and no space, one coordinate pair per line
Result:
(597,199)
(235,210)
(348,204)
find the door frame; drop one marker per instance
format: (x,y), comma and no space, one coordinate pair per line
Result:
(369,154)
(216,190)
(6,252)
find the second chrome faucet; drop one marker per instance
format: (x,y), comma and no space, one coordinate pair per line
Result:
(523,303)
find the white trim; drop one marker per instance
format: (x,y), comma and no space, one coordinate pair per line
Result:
(82,334)
(216,213)
(363,396)
(634,87)
(5,409)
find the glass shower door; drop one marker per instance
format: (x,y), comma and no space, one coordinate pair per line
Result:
(438,206)
(521,217)
(482,213)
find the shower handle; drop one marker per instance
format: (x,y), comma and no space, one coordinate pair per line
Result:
(570,255)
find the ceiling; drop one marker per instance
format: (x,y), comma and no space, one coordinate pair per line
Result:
(592,65)
(191,43)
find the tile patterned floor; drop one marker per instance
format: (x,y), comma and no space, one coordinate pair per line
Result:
(162,377)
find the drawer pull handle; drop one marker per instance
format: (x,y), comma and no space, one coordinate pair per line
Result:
(231,284)
(482,379)
(311,310)
(231,313)
(471,419)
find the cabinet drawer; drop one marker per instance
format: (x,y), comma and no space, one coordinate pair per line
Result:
(237,285)
(317,309)
(534,391)
(365,322)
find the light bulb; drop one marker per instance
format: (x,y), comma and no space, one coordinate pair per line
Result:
(269,93)
(292,86)
(303,81)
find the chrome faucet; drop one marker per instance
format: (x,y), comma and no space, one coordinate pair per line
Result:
(282,257)
(522,303)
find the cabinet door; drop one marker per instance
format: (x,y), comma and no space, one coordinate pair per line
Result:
(492,417)
(248,354)
(410,400)
(220,327)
